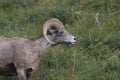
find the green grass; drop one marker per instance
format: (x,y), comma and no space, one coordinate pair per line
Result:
(98,47)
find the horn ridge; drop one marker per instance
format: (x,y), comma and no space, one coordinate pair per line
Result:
(51,22)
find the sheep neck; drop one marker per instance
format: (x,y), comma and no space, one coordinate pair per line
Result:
(42,43)
(41,46)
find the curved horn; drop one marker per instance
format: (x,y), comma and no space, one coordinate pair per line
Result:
(51,22)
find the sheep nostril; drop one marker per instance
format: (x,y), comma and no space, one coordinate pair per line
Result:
(74,38)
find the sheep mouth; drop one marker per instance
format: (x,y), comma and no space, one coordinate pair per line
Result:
(73,43)
(64,42)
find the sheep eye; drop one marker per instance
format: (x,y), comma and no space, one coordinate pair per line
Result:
(61,32)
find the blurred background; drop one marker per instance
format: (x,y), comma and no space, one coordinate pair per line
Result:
(95,23)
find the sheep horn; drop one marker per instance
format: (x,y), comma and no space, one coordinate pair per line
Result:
(53,22)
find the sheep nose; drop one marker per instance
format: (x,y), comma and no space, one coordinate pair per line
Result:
(74,38)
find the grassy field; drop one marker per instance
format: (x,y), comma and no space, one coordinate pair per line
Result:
(98,36)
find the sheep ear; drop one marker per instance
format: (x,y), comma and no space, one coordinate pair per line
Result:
(52,30)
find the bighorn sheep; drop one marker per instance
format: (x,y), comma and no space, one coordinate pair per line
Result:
(21,56)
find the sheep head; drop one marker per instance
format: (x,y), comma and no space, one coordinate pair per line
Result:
(55,33)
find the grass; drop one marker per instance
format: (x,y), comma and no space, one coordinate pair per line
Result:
(98,47)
